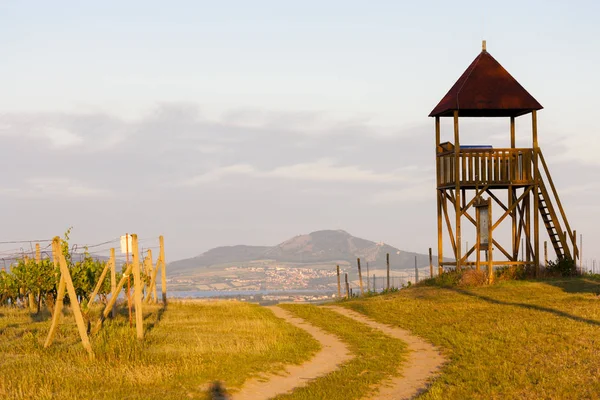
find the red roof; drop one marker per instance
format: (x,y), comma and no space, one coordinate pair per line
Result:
(486,89)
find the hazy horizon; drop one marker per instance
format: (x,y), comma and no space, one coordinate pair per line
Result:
(237,123)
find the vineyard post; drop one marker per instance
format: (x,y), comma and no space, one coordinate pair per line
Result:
(151,268)
(360,277)
(347,287)
(338,282)
(387,261)
(113,277)
(137,282)
(416,271)
(66,281)
(38,261)
(163,266)
(128,279)
(58,306)
(148,271)
(368,287)
(431,263)
(113,298)
(152,294)
(99,284)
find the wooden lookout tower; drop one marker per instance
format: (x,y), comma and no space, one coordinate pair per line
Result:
(515,182)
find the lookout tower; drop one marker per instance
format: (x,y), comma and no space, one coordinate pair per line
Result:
(516,181)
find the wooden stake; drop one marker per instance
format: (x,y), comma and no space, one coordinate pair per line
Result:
(60,295)
(545,254)
(368,284)
(137,282)
(113,298)
(107,267)
(387,261)
(360,277)
(66,280)
(151,295)
(430,263)
(416,271)
(163,266)
(338,282)
(128,280)
(38,260)
(347,286)
(113,277)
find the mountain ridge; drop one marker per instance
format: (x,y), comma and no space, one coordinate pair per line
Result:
(315,247)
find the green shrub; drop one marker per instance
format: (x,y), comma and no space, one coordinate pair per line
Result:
(562,268)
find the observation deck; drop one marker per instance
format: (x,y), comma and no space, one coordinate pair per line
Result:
(481,166)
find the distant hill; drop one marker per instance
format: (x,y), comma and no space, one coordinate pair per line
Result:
(316,247)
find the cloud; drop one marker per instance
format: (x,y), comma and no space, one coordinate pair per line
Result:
(324,170)
(61,138)
(409,194)
(55,187)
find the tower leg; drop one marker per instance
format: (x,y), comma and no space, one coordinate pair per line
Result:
(440,233)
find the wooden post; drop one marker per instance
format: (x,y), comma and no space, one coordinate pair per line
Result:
(439,198)
(137,282)
(127,249)
(148,270)
(113,277)
(113,297)
(374,284)
(347,286)
(430,263)
(574,241)
(490,245)
(163,266)
(360,277)
(416,271)
(338,282)
(35,305)
(151,296)
(66,281)
(478,239)
(536,199)
(60,295)
(368,285)
(580,248)
(457,203)
(99,283)
(545,254)
(387,261)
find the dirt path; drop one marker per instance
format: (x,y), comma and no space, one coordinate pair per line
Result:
(423,364)
(332,354)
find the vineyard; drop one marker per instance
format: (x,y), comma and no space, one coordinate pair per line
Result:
(63,276)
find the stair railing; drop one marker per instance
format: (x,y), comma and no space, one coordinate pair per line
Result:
(558,203)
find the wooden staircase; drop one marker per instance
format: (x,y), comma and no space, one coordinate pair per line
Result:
(562,239)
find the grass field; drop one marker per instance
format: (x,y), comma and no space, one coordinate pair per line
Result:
(376,357)
(514,340)
(186,347)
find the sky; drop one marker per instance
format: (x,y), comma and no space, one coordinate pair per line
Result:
(236,122)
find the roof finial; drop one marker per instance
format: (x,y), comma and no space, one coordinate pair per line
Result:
(483,46)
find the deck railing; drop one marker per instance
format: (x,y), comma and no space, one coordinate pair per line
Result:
(487,166)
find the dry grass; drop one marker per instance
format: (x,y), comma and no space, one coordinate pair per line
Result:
(514,340)
(191,345)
